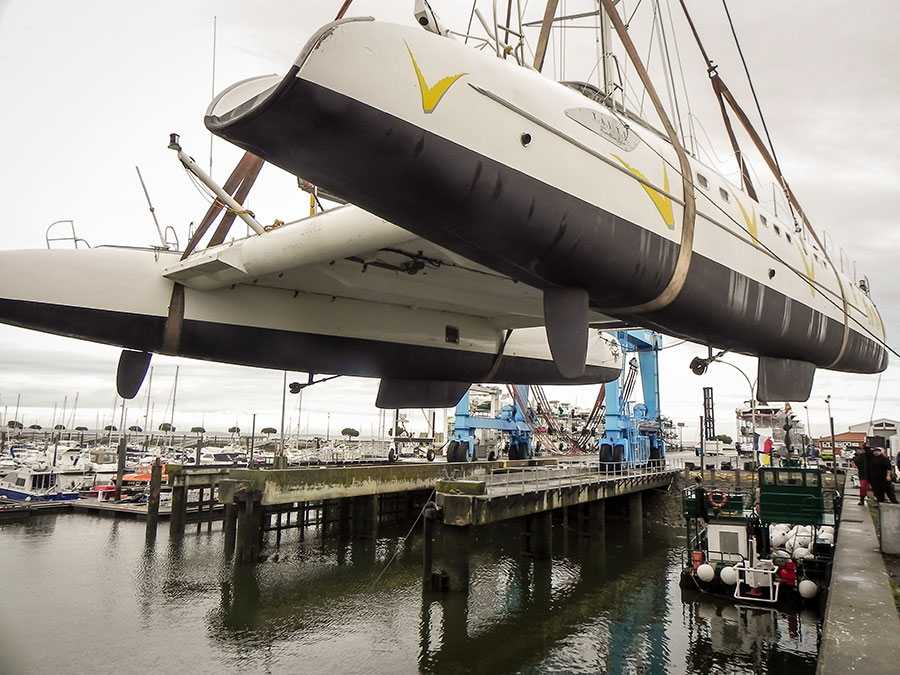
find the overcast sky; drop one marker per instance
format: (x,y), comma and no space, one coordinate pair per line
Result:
(93,89)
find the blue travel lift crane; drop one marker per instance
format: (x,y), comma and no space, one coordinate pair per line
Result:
(510,419)
(633,433)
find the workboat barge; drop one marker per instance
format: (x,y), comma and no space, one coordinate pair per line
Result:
(772,543)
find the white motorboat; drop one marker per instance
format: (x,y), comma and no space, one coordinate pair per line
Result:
(37,483)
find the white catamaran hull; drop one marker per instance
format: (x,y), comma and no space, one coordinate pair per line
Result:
(532,179)
(120,296)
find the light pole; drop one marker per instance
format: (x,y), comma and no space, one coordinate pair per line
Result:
(752,405)
(681,436)
(833,444)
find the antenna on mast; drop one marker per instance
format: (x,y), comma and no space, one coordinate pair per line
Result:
(213,90)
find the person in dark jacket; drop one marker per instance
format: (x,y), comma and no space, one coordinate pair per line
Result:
(861,460)
(880,473)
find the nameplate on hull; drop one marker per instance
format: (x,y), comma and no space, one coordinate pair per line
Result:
(608,126)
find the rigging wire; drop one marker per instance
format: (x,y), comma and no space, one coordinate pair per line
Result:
(687,100)
(758,107)
(874,401)
(666,60)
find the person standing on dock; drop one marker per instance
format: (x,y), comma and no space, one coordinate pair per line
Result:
(880,475)
(861,460)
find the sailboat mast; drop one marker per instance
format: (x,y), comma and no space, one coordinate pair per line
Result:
(147,412)
(174,391)
(74,409)
(607,72)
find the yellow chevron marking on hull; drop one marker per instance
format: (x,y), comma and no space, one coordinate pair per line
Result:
(661,201)
(750,220)
(432,95)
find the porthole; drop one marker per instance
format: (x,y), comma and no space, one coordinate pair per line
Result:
(701,180)
(723,193)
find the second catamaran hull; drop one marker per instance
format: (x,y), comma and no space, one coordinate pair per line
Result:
(119,296)
(504,167)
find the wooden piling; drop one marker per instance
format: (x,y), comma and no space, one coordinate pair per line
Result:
(541,534)
(429,520)
(249,529)
(597,519)
(179,511)
(456,556)
(200,511)
(229,525)
(153,499)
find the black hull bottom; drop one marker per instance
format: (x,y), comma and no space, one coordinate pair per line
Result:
(520,226)
(286,350)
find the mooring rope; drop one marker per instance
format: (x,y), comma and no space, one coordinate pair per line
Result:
(402,542)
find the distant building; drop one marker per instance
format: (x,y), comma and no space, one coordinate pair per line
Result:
(841,441)
(880,427)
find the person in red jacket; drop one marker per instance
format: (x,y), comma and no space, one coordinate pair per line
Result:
(861,460)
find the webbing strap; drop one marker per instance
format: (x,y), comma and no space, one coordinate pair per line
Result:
(683,263)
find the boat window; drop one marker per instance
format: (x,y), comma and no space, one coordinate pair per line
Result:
(815,257)
(729,542)
(790,478)
(723,193)
(701,179)
(777,230)
(787,236)
(20,481)
(764,221)
(812,480)
(768,478)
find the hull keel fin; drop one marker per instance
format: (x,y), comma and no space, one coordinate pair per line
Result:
(566,318)
(396,393)
(784,379)
(131,372)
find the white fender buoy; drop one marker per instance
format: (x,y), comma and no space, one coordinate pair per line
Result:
(800,552)
(808,589)
(706,572)
(728,575)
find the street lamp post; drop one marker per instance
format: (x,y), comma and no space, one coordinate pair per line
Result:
(681,435)
(833,444)
(752,407)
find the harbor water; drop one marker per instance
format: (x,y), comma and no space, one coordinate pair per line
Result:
(84,593)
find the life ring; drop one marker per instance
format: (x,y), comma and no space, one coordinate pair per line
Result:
(717,499)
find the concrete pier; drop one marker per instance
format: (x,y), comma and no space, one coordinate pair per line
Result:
(533,495)
(861,630)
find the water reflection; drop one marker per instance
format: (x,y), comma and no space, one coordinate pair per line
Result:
(346,604)
(749,639)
